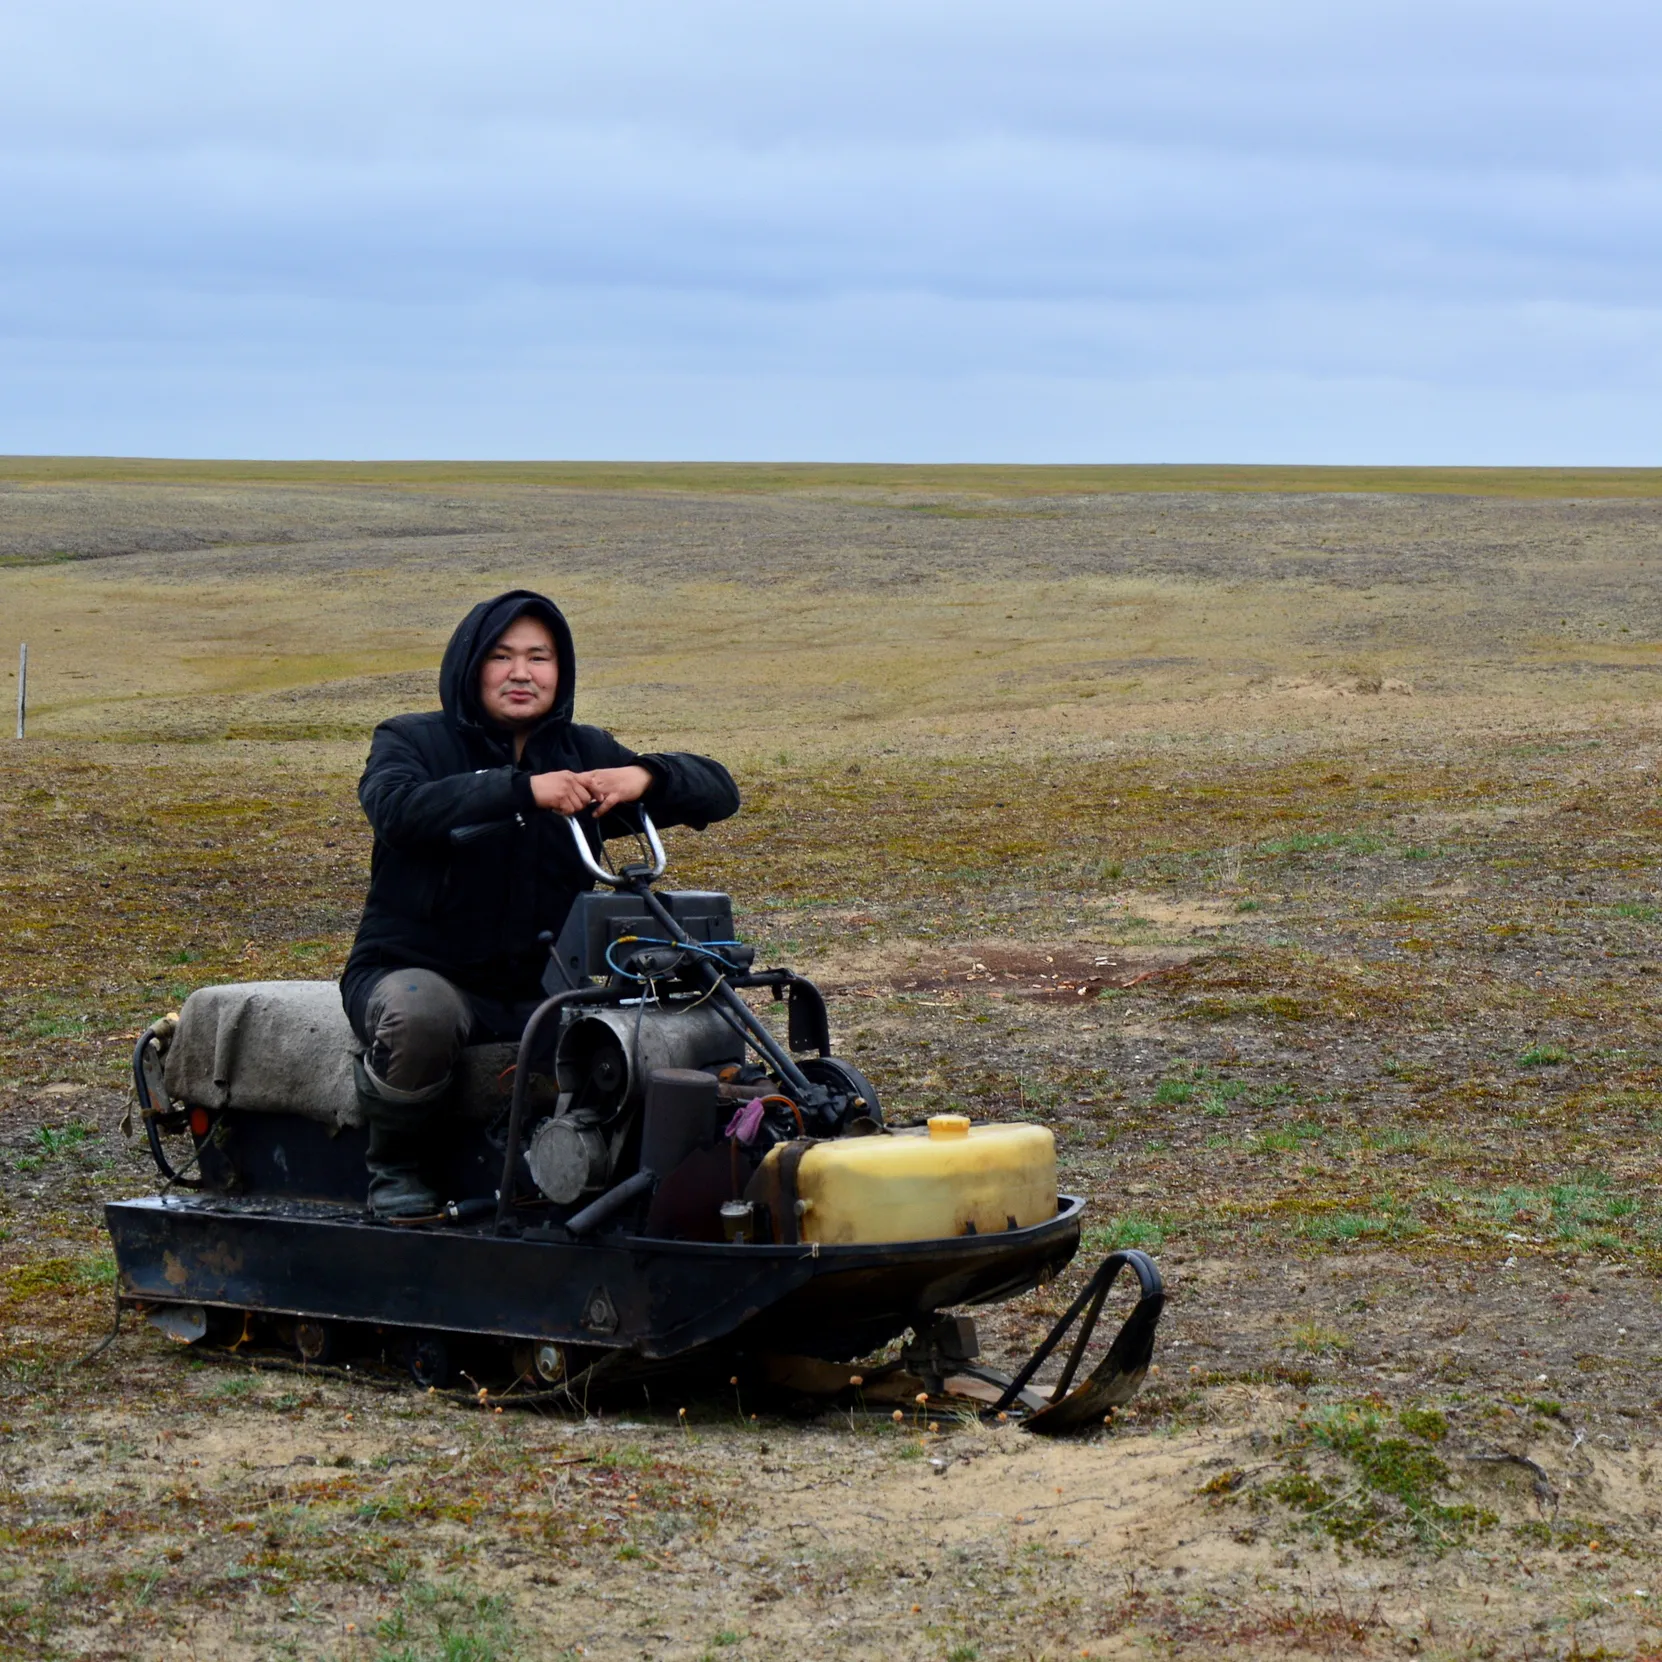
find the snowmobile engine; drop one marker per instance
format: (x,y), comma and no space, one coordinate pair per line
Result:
(606,1056)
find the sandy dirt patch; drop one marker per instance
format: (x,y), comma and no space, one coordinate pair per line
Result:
(997,969)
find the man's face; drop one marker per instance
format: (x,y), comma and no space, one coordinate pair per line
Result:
(520,676)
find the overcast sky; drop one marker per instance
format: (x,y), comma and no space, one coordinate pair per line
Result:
(1191,230)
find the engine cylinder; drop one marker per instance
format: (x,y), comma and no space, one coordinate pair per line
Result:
(605,1056)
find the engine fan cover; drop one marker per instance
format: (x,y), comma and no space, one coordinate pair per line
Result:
(568,1159)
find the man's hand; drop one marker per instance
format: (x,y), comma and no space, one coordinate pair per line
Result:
(612,787)
(565,793)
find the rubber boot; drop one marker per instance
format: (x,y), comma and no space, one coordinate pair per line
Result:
(397,1137)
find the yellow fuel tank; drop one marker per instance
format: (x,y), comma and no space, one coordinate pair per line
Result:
(930,1183)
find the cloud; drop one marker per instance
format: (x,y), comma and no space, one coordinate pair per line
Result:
(900,230)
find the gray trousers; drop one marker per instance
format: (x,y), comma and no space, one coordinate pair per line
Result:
(416,1024)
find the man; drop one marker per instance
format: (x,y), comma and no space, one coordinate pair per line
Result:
(473,862)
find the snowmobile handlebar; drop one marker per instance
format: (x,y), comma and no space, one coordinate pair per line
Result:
(463,834)
(614,879)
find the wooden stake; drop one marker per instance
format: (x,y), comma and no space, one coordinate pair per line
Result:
(22,685)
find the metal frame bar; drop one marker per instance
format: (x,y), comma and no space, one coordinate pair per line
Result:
(550,1007)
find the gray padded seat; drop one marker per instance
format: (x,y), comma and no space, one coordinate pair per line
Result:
(286,1047)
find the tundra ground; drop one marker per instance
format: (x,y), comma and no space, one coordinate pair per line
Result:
(1292,851)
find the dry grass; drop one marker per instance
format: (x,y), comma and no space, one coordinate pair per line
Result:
(1386,1103)
(965,480)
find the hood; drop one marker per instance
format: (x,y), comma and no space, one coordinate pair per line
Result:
(478,632)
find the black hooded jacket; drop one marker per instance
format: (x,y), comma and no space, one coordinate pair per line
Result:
(472,910)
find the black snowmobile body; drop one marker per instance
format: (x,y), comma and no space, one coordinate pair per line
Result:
(606,1219)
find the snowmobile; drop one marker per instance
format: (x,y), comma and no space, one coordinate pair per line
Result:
(654,1179)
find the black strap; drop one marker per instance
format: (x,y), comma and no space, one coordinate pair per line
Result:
(790,1158)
